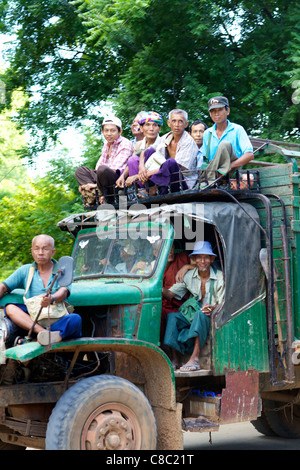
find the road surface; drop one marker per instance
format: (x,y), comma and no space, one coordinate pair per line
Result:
(238,436)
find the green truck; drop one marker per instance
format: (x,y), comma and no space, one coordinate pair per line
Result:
(115,388)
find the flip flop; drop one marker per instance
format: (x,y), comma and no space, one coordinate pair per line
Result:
(193,367)
(142,193)
(19,340)
(47,337)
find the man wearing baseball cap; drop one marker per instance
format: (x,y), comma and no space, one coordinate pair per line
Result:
(187,333)
(115,153)
(226,145)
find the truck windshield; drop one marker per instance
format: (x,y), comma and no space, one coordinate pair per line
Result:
(95,256)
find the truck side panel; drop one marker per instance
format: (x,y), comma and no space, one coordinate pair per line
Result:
(283,181)
(242,342)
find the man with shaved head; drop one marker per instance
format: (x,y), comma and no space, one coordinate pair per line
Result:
(45,268)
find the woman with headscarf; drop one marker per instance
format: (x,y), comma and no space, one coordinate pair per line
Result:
(150,123)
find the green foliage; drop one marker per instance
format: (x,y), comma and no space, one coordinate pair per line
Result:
(29,208)
(69,57)
(12,146)
(28,213)
(148,54)
(52,63)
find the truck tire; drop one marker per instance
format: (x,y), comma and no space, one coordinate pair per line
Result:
(261,425)
(102,413)
(284,422)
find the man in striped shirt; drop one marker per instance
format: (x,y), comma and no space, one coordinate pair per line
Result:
(114,156)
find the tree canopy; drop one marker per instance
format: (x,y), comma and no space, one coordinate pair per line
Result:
(27,213)
(71,56)
(12,146)
(67,58)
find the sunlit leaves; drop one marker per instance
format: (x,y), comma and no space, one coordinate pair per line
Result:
(70,56)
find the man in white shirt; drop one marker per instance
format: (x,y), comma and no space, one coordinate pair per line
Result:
(176,153)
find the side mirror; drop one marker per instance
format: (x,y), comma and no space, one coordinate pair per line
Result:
(263,256)
(65,271)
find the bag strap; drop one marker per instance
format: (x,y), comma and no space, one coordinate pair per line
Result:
(29,279)
(205,157)
(212,284)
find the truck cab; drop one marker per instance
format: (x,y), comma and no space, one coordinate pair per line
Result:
(115,388)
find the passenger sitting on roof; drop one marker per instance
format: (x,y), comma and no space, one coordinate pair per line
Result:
(226,146)
(176,152)
(136,129)
(151,123)
(187,333)
(196,131)
(114,156)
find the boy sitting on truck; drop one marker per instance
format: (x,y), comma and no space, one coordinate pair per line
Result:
(115,153)
(187,333)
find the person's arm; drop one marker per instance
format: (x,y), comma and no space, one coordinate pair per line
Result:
(243,160)
(219,293)
(207,309)
(205,142)
(3,289)
(245,148)
(60,295)
(182,271)
(177,291)
(15,281)
(142,170)
(121,180)
(125,151)
(167,294)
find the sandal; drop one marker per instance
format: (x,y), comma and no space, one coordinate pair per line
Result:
(190,367)
(19,340)
(144,193)
(47,337)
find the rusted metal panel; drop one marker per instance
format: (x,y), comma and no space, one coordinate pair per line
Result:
(240,398)
(35,393)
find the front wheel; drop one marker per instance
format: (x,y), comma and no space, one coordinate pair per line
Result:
(102,413)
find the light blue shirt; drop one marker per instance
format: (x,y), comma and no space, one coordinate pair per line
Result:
(18,280)
(234,133)
(199,157)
